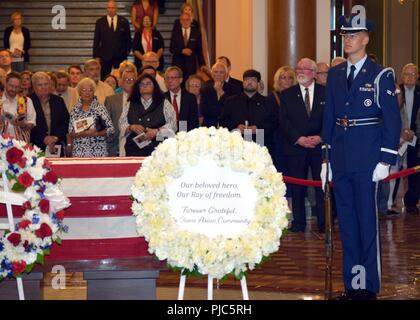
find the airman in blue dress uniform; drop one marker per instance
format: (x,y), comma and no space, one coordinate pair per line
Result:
(361,131)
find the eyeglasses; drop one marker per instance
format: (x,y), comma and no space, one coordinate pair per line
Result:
(84,90)
(407,74)
(146,84)
(304,69)
(128,79)
(286,78)
(173,78)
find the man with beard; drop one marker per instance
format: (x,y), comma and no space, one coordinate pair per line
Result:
(250,110)
(18,111)
(301,123)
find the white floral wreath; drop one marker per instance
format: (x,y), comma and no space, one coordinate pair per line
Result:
(28,172)
(195,253)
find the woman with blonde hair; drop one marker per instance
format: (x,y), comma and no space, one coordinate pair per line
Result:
(17,40)
(284,78)
(188,9)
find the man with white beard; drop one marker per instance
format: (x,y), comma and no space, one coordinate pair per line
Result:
(301,123)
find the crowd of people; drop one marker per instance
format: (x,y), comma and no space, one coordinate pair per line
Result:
(113,107)
(132,105)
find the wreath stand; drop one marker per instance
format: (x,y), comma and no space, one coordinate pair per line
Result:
(9,199)
(183,278)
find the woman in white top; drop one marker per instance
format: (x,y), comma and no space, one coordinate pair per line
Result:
(148,39)
(17,40)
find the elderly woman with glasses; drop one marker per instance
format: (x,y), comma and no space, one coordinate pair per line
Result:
(150,118)
(90,124)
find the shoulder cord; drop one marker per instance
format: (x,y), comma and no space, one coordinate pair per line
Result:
(389,71)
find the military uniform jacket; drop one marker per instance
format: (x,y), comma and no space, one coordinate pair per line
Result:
(360,148)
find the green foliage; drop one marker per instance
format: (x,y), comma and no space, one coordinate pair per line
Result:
(186,272)
(58,241)
(263,260)
(10,176)
(40,258)
(29,267)
(17,187)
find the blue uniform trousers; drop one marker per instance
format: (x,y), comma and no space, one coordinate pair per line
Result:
(356,208)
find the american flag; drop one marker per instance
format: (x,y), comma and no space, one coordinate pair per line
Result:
(100,220)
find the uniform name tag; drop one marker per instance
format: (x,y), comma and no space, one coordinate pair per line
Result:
(364,89)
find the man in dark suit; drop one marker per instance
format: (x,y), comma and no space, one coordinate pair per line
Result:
(52,117)
(411,94)
(214,95)
(301,123)
(183,102)
(112,41)
(250,110)
(229,79)
(186,48)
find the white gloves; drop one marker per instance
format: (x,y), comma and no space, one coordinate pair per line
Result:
(381,172)
(324,174)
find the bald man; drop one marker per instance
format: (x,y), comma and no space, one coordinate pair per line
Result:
(112,40)
(151,59)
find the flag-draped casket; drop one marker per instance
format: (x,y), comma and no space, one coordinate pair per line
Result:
(100,220)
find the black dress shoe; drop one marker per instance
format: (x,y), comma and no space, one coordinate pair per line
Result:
(346,295)
(364,295)
(391,212)
(296,229)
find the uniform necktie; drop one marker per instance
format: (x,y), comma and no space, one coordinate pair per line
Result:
(351,77)
(185,38)
(175,105)
(307,102)
(112,24)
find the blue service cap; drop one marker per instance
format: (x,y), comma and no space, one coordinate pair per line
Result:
(355,23)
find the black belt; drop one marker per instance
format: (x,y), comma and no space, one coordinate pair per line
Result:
(345,122)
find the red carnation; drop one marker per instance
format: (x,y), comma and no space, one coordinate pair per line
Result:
(24,224)
(26,205)
(44,231)
(50,177)
(28,147)
(47,164)
(44,206)
(60,215)
(22,162)
(25,179)
(13,155)
(14,238)
(7,136)
(18,266)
